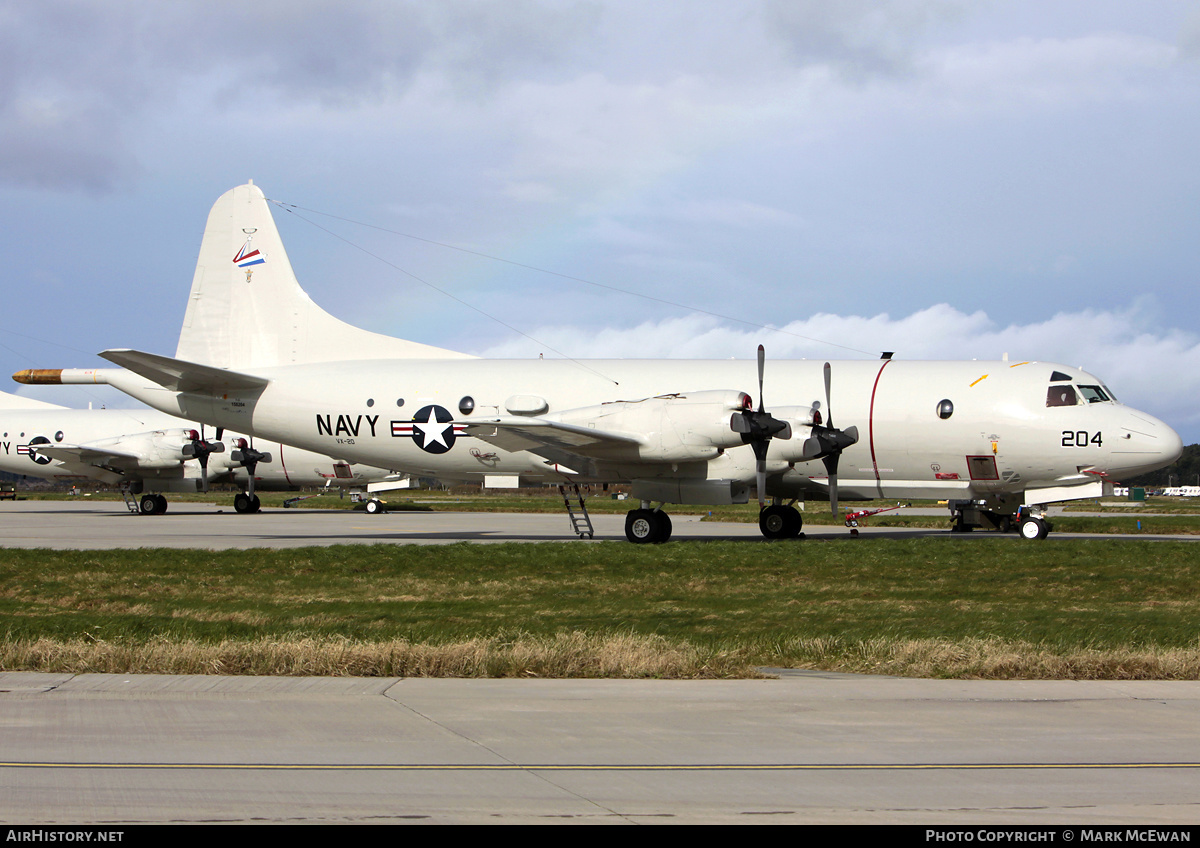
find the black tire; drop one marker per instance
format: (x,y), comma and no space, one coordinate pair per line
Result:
(242,503)
(1034,528)
(374,506)
(664,525)
(147,505)
(647,526)
(255,504)
(639,526)
(780,522)
(160,504)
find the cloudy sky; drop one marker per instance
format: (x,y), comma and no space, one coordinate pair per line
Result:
(674,179)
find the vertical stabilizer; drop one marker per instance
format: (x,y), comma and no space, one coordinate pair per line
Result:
(247,310)
(8,401)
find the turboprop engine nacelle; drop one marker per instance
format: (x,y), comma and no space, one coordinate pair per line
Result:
(683,427)
(800,447)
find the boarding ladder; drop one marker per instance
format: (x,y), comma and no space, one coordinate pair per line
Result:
(581,522)
(131,500)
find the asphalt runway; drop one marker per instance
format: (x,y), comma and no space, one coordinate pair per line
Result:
(85,525)
(804,748)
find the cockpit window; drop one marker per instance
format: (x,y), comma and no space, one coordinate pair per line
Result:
(1059,377)
(1093,394)
(1061,396)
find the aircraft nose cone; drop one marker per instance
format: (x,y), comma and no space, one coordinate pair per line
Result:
(1172,446)
(1145,444)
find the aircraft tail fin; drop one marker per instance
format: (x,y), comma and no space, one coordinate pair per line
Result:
(247,310)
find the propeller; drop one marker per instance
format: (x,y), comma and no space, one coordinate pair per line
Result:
(757,429)
(200,449)
(827,442)
(249,458)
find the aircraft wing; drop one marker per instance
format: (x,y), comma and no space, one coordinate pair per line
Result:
(179,375)
(538,435)
(78,455)
(107,466)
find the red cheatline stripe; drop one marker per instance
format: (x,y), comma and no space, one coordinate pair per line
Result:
(871,425)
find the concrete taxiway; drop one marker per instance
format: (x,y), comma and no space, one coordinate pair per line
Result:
(98,525)
(804,748)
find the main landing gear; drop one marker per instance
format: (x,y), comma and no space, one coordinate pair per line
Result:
(653,526)
(152,505)
(246,503)
(647,526)
(779,521)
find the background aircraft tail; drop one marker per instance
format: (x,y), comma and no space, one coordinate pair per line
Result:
(246,308)
(8,401)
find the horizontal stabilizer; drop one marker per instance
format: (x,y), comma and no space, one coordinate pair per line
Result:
(180,376)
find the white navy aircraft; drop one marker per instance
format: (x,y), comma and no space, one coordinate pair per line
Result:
(148,453)
(997,440)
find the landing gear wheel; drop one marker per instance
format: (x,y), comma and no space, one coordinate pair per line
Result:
(664,525)
(1034,528)
(780,522)
(647,526)
(161,504)
(374,506)
(242,503)
(152,505)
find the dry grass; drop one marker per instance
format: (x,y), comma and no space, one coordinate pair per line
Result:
(993,659)
(580,655)
(564,655)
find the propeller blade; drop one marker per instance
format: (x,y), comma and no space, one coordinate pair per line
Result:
(828,405)
(762,360)
(831,466)
(757,428)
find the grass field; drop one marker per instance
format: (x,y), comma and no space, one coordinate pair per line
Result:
(922,607)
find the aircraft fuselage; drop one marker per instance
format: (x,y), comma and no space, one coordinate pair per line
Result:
(999,432)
